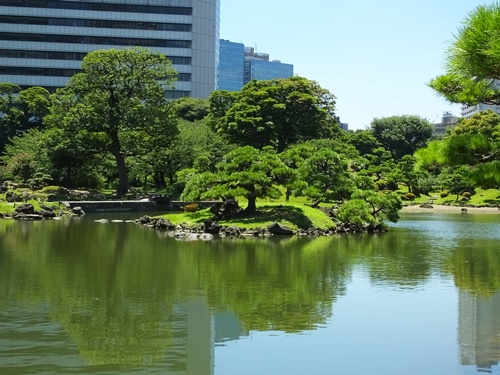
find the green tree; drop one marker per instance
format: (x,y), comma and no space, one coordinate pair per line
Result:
(474,142)
(191,109)
(20,110)
(120,99)
(364,141)
(407,172)
(244,172)
(402,135)
(456,180)
(370,207)
(325,176)
(277,113)
(473,60)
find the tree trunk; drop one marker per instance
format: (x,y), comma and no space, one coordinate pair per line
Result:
(316,204)
(120,164)
(252,207)
(122,175)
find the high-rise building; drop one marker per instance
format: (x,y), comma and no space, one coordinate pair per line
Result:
(238,65)
(42,42)
(231,65)
(258,66)
(448,121)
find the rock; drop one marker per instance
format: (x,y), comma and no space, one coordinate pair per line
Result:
(21,216)
(426,205)
(278,229)
(230,231)
(211,227)
(226,209)
(77,211)
(25,208)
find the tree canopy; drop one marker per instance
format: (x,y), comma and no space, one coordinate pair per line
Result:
(402,135)
(245,172)
(119,99)
(277,113)
(473,60)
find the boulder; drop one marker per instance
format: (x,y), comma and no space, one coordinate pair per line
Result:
(77,211)
(278,229)
(25,208)
(211,227)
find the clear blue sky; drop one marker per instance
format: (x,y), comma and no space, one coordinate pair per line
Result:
(374,56)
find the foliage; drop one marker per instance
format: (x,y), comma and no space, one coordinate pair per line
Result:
(402,135)
(27,155)
(245,172)
(191,109)
(20,110)
(192,207)
(364,141)
(325,177)
(119,102)
(456,180)
(474,142)
(370,207)
(473,60)
(38,180)
(277,113)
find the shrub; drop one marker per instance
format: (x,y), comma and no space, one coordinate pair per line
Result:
(191,207)
(53,190)
(410,196)
(444,193)
(466,194)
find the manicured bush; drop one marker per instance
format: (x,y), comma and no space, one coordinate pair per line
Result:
(410,196)
(444,193)
(191,207)
(466,194)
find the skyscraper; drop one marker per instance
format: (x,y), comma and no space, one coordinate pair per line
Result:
(258,66)
(42,42)
(238,65)
(231,65)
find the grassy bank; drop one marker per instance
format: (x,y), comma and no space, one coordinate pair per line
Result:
(488,197)
(294,215)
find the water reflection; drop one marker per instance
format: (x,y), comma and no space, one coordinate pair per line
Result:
(119,297)
(479,330)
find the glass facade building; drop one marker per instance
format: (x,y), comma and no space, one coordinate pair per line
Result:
(238,65)
(231,65)
(262,69)
(42,42)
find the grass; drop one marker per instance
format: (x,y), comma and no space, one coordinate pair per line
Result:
(294,215)
(488,197)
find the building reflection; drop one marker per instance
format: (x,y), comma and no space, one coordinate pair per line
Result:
(479,330)
(196,330)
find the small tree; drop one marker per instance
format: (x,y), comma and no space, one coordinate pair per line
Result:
(370,207)
(244,172)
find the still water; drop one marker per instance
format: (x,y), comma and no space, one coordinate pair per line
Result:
(79,297)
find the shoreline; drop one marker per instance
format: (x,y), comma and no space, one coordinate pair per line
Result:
(443,209)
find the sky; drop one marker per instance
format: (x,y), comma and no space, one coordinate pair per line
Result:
(376,57)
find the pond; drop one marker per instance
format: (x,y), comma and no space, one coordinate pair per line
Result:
(78,296)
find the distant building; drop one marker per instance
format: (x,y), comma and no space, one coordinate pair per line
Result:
(470,110)
(448,121)
(43,42)
(231,65)
(343,125)
(239,65)
(258,66)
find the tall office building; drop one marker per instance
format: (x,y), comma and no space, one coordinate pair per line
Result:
(231,65)
(42,42)
(258,66)
(238,65)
